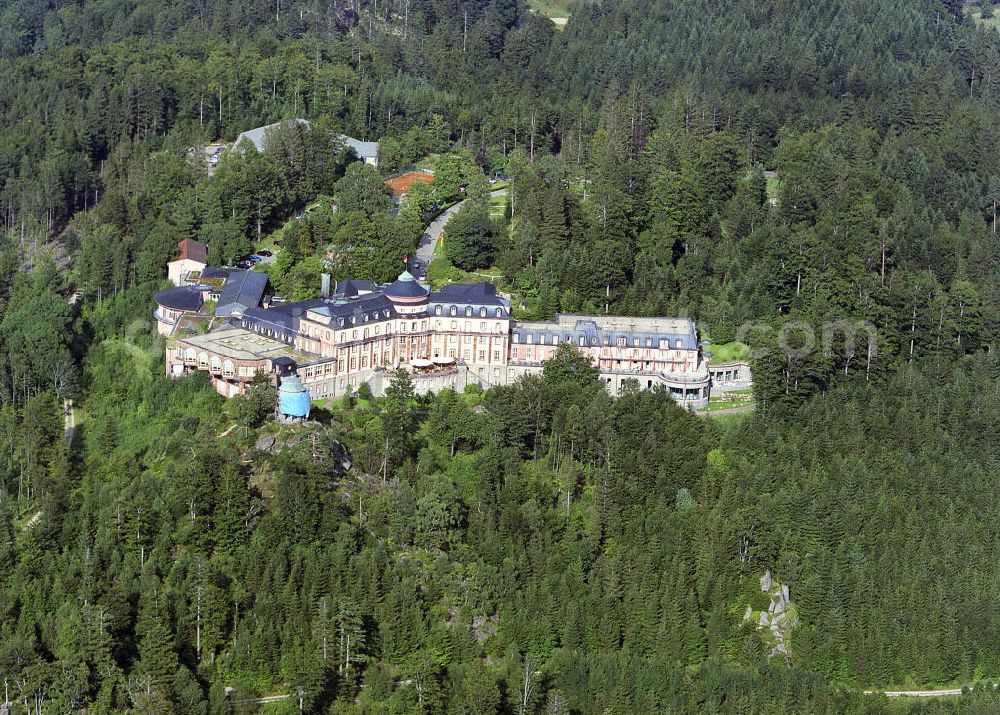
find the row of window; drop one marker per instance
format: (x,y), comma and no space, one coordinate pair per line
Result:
(363,362)
(466,339)
(216,364)
(483,327)
(413,327)
(621,341)
(351,320)
(726,375)
(281,335)
(483,312)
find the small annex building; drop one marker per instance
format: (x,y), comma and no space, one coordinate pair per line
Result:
(365,151)
(190,262)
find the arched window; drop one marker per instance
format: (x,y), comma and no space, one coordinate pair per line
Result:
(499,312)
(468,310)
(437,310)
(454,311)
(482,312)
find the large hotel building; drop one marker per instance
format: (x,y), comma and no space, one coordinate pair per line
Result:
(461,335)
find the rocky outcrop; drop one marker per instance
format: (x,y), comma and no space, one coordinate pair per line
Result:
(309,437)
(776,623)
(484,626)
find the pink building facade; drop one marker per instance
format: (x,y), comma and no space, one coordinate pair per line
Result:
(458,336)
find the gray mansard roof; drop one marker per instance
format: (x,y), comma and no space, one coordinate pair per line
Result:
(281,320)
(607,329)
(352,288)
(461,296)
(364,150)
(210,272)
(243,290)
(258,136)
(354,305)
(366,309)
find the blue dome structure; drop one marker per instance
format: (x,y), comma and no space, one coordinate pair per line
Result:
(293,400)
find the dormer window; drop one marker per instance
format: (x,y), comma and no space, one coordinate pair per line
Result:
(437,310)
(482,312)
(454,311)
(499,312)
(468,311)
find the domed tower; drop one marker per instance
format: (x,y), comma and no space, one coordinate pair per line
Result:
(293,400)
(407,296)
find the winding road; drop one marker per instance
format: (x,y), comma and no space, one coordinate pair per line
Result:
(915,693)
(942,693)
(69,420)
(425,250)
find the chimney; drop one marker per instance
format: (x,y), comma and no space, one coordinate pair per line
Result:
(325,290)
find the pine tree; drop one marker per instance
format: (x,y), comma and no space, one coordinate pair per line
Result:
(157,655)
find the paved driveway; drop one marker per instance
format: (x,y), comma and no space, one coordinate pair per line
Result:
(425,250)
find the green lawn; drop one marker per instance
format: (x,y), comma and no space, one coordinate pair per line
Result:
(498,204)
(773,186)
(993,22)
(728,352)
(728,421)
(728,400)
(441,272)
(550,8)
(341,404)
(267,243)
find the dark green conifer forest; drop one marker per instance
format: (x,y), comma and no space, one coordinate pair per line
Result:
(818,180)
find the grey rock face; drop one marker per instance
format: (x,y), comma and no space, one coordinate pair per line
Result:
(776,623)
